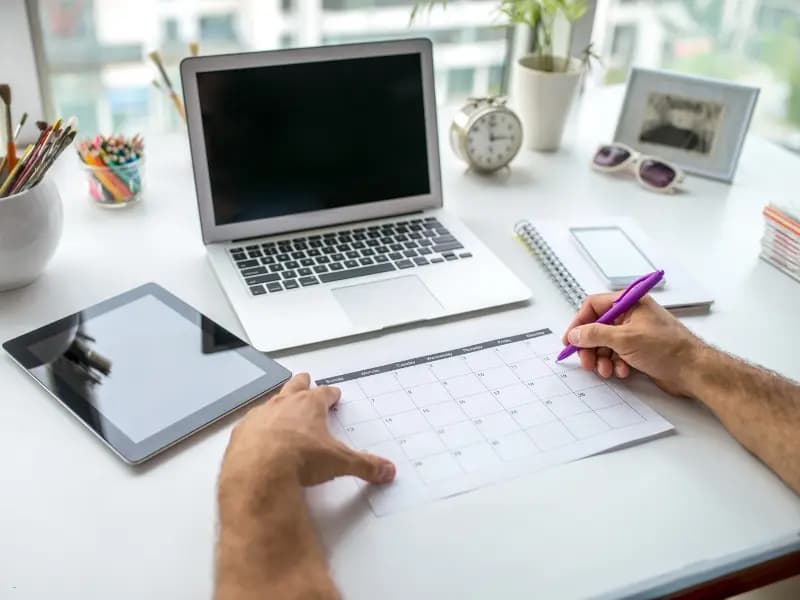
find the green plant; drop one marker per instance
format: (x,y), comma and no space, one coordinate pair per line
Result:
(539,15)
(781,51)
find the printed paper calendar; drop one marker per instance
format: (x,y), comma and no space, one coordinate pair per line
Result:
(460,419)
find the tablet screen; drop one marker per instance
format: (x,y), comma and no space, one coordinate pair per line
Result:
(142,364)
(142,368)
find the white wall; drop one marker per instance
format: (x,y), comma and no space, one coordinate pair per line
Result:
(18,67)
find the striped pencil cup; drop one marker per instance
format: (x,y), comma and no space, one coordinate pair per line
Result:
(115,186)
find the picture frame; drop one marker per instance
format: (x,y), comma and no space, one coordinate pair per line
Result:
(698,123)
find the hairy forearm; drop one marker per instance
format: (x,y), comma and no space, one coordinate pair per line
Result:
(268,547)
(761,409)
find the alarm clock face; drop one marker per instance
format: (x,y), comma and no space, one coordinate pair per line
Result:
(494,139)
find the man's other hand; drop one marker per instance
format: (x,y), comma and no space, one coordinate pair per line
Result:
(289,434)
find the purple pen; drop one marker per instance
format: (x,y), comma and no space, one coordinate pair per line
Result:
(627,299)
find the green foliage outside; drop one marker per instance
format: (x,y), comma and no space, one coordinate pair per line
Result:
(781,51)
(539,15)
(775,49)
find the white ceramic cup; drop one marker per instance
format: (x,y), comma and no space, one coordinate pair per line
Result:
(30,229)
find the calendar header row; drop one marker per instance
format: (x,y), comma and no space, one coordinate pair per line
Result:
(422,360)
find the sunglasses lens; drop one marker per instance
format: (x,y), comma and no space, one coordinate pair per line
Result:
(656,173)
(611,156)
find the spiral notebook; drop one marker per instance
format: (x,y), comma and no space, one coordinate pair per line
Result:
(551,242)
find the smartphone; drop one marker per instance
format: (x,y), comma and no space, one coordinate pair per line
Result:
(614,255)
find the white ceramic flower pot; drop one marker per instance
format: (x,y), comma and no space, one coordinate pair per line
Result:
(30,229)
(543,99)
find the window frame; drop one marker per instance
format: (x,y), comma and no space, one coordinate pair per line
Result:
(518,43)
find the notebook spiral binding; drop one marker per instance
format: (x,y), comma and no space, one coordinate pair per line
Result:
(560,275)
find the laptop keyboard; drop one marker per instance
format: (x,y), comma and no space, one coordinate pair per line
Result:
(289,264)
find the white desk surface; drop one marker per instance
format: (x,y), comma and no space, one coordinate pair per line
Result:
(75,522)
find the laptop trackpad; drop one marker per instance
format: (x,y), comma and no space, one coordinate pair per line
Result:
(388,302)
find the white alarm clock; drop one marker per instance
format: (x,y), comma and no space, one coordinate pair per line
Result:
(486,134)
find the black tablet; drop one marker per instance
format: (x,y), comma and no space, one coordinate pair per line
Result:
(144,370)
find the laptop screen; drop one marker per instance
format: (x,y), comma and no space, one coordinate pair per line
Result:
(294,138)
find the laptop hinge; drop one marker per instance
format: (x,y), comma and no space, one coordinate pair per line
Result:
(291,231)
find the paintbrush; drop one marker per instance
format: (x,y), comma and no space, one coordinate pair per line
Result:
(12,175)
(156,58)
(194,48)
(16,135)
(11,148)
(45,139)
(49,156)
(40,124)
(19,125)
(24,163)
(45,165)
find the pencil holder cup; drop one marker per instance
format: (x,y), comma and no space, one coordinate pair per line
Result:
(117,186)
(30,229)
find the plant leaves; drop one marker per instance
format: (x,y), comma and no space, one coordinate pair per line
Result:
(573,9)
(539,15)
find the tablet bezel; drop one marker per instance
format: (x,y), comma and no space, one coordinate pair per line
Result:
(137,452)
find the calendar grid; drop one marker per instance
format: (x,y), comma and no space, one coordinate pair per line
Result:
(461,416)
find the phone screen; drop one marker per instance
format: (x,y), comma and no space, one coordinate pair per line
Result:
(613,252)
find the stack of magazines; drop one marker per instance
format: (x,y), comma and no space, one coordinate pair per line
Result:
(780,245)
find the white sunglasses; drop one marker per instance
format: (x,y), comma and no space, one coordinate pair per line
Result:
(652,173)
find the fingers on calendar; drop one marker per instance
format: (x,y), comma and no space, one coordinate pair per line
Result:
(454,421)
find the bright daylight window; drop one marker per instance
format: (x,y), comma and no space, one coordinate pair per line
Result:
(96,50)
(756,42)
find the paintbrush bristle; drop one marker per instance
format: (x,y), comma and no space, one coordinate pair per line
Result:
(155,57)
(42,125)
(5,93)
(23,119)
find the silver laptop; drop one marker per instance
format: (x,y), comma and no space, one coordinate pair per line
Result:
(320,197)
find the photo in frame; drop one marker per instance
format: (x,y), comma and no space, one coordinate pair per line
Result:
(697,123)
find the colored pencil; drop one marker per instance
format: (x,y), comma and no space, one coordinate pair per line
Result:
(113,163)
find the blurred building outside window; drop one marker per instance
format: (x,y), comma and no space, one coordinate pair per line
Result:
(97,67)
(96,50)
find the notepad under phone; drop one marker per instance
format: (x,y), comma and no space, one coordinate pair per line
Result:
(551,242)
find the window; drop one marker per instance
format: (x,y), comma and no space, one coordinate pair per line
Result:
(170,30)
(756,42)
(96,50)
(460,81)
(218,28)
